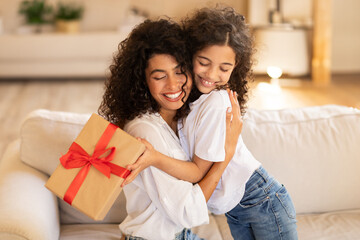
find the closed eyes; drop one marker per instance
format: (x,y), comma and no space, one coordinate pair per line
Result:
(159,78)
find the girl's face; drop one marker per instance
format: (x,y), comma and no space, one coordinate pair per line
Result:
(165,81)
(213,66)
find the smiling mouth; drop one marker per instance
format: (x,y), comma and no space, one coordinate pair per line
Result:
(206,83)
(173,97)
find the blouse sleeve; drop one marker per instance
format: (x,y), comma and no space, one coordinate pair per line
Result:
(211,128)
(181,201)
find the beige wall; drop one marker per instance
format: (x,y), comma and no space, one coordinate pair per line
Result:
(8,13)
(345,45)
(98,14)
(179,8)
(345,36)
(108,15)
(295,11)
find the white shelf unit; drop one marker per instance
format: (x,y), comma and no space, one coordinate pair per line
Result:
(56,55)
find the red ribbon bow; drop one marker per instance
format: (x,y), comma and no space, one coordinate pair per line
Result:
(77,157)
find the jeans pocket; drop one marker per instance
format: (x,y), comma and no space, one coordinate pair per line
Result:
(286,202)
(230,217)
(253,202)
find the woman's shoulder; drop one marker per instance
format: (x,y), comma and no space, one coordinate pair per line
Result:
(143,124)
(151,127)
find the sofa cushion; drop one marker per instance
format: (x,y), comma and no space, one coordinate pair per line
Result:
(313,151)
(112,231)
(303,148)
(331,225)
(45,136)
(90,231)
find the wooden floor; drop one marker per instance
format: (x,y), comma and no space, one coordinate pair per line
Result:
(343,90)
(18,98)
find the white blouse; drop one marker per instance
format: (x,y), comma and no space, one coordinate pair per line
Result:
(159,205)
(203,133)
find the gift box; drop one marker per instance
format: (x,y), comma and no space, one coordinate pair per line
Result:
(90,174)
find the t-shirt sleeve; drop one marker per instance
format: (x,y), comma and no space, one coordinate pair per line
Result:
(181,201)
(148,132)
(211,129)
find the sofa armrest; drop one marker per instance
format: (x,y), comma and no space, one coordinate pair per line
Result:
(27,209)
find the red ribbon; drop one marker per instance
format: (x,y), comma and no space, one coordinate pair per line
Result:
(77,157)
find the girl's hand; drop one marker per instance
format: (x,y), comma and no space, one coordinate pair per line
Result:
(148,158)
(234,124)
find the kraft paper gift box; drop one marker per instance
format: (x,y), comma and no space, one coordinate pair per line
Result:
(95,167)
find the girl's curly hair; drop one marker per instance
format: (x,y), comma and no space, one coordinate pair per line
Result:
(126,92)
(223,26)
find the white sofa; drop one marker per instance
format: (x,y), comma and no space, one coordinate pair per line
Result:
(313,151)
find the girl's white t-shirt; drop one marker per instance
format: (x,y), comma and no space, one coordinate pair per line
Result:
(159,205)
(203,133)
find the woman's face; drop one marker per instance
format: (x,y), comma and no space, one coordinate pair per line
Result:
(213,66)
(165,81)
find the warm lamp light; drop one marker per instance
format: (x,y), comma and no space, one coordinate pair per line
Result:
(274,72)
(274,86)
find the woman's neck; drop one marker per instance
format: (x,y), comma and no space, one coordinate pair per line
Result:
(169,116)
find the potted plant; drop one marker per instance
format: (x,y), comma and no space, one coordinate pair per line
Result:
(68,16)
(36,13)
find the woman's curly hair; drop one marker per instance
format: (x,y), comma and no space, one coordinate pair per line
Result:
(223,26)
(126,92)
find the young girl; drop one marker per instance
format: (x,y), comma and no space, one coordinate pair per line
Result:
(145,94)
(255,204)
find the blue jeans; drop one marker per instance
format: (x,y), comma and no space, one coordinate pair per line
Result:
(266,211)
(185,234)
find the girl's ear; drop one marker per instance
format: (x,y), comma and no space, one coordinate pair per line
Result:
(236,61)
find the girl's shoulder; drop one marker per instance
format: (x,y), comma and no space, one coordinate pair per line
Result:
(216,99)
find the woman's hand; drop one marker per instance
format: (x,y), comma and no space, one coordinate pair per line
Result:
(234,124)
(148,158)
